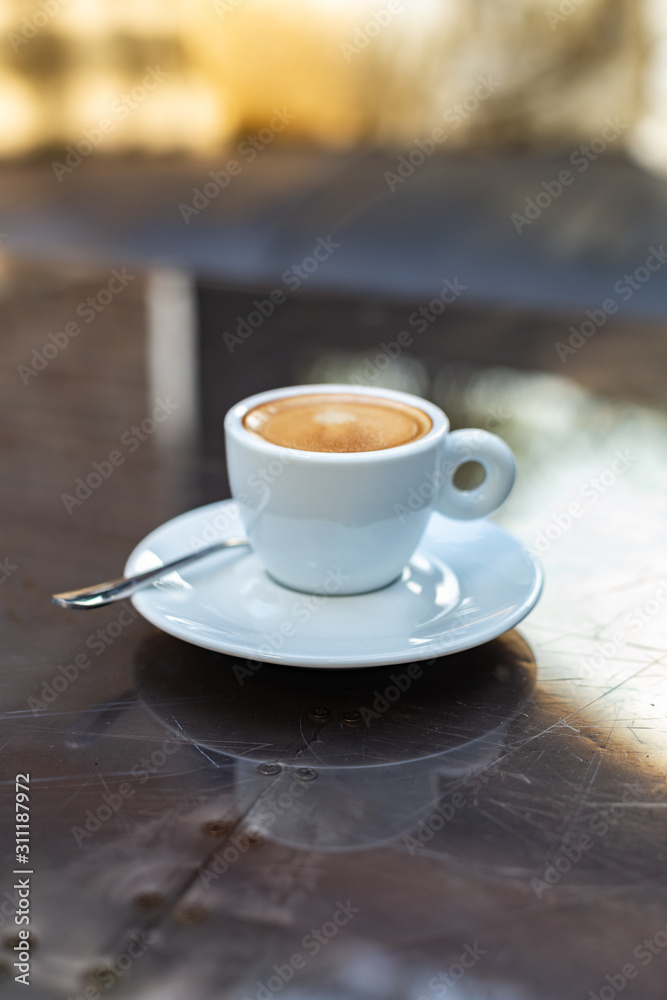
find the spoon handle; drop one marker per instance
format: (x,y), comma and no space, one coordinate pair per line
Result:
(125,586)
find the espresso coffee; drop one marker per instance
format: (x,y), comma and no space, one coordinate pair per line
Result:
(337,422)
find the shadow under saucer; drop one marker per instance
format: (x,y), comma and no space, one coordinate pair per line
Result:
(339,759)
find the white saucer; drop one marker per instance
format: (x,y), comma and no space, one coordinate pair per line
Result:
(468,582)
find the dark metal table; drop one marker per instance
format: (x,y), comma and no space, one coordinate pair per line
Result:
(497,831)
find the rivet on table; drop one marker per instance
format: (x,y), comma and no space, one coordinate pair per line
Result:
(148,900)
(217,828)
(319,713)
(190,914)
(254,837)
(305,774)
(269,770)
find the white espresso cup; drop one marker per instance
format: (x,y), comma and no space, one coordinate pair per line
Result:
(348,522)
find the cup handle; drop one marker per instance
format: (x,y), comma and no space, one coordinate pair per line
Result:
(497,460)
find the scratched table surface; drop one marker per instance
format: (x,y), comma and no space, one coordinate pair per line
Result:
(497,830)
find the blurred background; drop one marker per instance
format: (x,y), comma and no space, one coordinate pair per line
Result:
(352,72)
(219,136)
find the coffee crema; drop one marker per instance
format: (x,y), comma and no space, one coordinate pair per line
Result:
(337,422)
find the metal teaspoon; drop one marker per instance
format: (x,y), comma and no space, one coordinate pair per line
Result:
(117,590)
